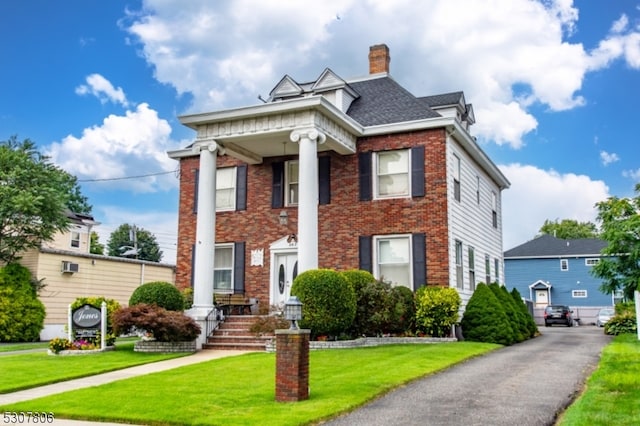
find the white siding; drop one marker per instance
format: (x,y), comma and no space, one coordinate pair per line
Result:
(471,222)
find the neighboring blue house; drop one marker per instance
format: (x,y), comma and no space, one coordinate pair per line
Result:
(549,270)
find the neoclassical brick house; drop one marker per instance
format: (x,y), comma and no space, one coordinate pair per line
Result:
(337,174)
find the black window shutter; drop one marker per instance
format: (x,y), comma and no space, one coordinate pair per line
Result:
(419,260)
(324,180)
(238,267)
(241,187)
(196,174)
(364,175)
(193,263)
(277,185)
(417,171)
(365,253)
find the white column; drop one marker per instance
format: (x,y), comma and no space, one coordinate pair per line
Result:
(308,196)
(205,236)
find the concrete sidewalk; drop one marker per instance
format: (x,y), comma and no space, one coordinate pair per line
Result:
(100,379)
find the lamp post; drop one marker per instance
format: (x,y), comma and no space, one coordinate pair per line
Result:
(293,312)
(292,356)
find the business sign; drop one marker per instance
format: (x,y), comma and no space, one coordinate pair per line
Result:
(86,321)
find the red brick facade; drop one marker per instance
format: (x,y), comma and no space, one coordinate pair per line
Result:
(341,222)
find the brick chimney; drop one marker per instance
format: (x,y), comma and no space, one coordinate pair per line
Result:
(379,59)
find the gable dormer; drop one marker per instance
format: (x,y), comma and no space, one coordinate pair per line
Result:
(286,88)
(335,89)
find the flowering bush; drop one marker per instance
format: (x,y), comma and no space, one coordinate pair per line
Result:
(56,345)
(83,345)
(163,325)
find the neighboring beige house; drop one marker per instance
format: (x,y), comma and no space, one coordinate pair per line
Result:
(70,271)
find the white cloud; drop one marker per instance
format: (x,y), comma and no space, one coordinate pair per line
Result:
(507,55)
(133,144)
(608,157)
(536,195)
(102,89)
(632,174)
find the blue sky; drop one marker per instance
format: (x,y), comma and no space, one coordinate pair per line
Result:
(98,85)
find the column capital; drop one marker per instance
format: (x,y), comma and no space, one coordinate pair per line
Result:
(310,133)
(207,145)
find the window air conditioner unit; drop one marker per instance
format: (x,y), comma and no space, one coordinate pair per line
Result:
(69,267)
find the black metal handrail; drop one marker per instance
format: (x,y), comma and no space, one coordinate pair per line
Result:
(212,320)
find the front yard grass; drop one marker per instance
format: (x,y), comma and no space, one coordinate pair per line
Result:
(612,392)
(27,370)
(240,390)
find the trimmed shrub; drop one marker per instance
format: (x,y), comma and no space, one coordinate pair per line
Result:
(529,322)
(159,293)
(164,325)
(624,321)
(329,302)
(517,322)
(21,312)
(373,309)
(403,310)
(436,310)
(485,320)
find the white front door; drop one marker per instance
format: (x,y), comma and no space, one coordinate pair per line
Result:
(542,297)
(285,271)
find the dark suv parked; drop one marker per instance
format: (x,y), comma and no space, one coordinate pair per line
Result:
(558,314)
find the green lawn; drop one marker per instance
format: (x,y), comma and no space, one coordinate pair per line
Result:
(241,390)
(10,347)
(27,370)
(612,394)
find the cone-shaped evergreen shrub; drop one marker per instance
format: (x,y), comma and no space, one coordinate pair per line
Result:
(328,302)
(484,319)
(21,312)
(159,293)
(513,314)
(532,328)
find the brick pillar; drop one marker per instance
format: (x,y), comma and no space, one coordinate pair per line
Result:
(292,365)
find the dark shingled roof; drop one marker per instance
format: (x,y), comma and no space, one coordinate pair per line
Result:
(549,246)
(443,99)
(383,101)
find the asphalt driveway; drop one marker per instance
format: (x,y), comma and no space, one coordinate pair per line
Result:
(524,384)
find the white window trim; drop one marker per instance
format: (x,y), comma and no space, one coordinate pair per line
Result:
(233,256)
(459,265)
(579,294)
(376,265)
(79,239)
(374,174)
(287,182)
(591,261)
(234,179)
(457,178)
(472,267)
(564,265)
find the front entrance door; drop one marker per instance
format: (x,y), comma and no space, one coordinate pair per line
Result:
(286,269)
(542,297)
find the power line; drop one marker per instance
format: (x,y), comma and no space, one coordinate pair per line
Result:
(125,177)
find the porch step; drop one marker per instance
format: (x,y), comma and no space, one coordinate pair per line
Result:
(234,334)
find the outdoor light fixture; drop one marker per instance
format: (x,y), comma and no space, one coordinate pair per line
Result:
(284,217)
(293,311)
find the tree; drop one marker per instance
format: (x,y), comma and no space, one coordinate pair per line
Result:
(34,195)
(620,223)
(127,240)
(95,247)
(569,229)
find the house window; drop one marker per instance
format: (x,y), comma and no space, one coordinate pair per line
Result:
(494,209)
(472,268)
(226,189)
(564,265)
(456,177)
(487,269)
(392,259)
(223,268)
(75,239)
(291,183)
(591,261)
(496,269)
(392,174)
(618,297)
(459,277)
(579,293)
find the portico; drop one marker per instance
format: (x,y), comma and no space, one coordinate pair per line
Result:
(304,126)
